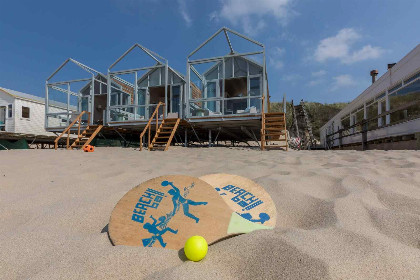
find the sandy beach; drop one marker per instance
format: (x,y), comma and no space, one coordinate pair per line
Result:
(341,214)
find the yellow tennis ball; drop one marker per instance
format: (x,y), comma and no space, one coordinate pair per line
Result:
(196,248)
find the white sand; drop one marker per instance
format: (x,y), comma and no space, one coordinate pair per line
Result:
(341,215)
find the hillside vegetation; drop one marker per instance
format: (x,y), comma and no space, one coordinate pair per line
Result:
(318,113)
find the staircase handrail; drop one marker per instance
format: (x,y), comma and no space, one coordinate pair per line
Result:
(148,125)
(67,130)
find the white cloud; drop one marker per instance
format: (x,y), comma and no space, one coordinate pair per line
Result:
(277,63)
(342,81)
(340,47)
(367,52)
(318,78)
(184,13)
(314,83)
(279,51)
(319,73)
(250,13)
(275,59)
(292,78)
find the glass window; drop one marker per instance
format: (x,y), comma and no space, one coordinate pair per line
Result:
(345,122)
(402,98)
(142,101)
(397,86)
(372,111)
(154,78)
(359,117)
(254,69)
(211,93)
(382,109)
(114,99)
(382,95)
(240,67)
(229,67)
(176,94)
(85,101)
(412,78)
(9,110)
(213,74)
(255,90)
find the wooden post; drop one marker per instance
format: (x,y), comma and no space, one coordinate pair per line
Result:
(148,140)
(364,135)
(340,138)
(141,142)
(186,135)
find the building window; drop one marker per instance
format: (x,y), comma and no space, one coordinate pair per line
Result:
(9,111)
(406,100)
(25,112)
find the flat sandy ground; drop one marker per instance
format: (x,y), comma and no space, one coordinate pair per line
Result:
(341,215)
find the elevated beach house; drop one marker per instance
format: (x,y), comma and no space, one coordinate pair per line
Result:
(221,98)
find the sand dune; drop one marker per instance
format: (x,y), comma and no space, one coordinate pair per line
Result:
(341,215)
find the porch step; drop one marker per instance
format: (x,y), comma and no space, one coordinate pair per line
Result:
(167,131)
(86,136)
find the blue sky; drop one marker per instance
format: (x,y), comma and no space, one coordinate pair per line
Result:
(316,50)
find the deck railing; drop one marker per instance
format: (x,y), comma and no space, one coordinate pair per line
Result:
(364,125)
(224,106)
(77,120)
(149,124)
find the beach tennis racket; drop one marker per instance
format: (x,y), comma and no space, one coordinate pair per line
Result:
(167,210)
(245,197)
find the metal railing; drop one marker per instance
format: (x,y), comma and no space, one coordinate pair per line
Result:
(132,112)
(222,106)
(77,120)
(364,124)
(148,126)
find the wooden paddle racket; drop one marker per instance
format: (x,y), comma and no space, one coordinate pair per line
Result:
(245,197)
(166,211)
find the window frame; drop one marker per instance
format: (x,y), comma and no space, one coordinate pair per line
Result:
(23,114)
(10,111)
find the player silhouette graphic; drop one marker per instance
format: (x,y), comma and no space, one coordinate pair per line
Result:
(178,199)
(160,228)
(263,217)
(157,233)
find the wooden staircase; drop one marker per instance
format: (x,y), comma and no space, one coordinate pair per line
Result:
(273,130)
(164,135)
(86,137)
(303,126)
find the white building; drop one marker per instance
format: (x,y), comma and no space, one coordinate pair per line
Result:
(397,92)
(24,113)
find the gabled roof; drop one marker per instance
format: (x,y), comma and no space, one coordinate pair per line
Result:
(21,95)
(30,97)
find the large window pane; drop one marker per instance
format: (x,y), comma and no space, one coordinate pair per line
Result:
(345,122)
(142,101)
(255,90)
(402,97)
(211,93)
(176,93)
(372,111)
